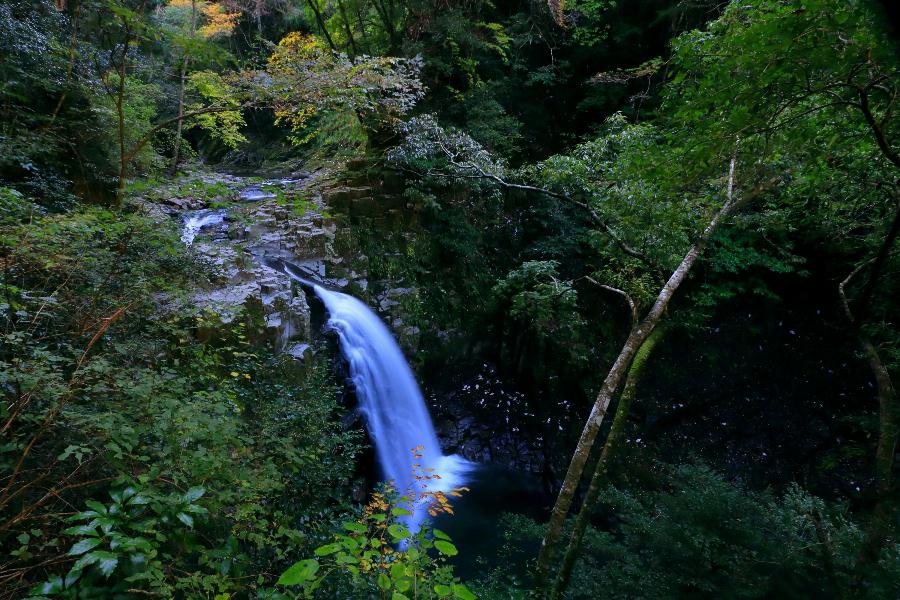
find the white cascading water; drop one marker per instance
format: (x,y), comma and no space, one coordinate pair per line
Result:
(197,220)
(391,401)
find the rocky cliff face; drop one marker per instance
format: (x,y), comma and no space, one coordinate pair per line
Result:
(238,226)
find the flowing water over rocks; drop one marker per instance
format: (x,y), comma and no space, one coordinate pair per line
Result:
(269,247)
(273,245)
(194,221)
(392,404)
(232,223)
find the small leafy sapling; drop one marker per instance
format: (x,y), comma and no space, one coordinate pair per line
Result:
(378,552)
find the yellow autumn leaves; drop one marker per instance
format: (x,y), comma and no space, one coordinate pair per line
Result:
(217,21)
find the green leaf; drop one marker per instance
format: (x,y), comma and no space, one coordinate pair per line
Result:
(398,596)
(440,534)
(106,524)
(327,549)
(100,508)
(384,582)
(400,512)
(86,560)
(82,530)
(398,531)
(128,493)
(347,559)
(299,573)
(442,590)
(186,519)
(446,548)
(72,576)
(193,494)
(83,546)
(462,592)
(107,562)
(51,586)
(398,571)
(83,516)
(354,527)
(403,584)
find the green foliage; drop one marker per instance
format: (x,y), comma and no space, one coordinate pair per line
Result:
(832,48)
(304,78)
(127,542)
(14,207)
(46,144)
(378,556)
(489,123)
(592,24)
(106,388)
(114,386)
(696,534)
(140,108)
(212,89)
(536,304)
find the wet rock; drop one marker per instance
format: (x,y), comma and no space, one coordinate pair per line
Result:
(185,203)
(300,351)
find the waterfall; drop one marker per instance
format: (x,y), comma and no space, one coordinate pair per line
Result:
(390,400)
(197,220)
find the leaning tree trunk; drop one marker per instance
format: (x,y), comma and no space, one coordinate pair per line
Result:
(888,431)
(350,39)
(617,372)
(623,410)
(321,22)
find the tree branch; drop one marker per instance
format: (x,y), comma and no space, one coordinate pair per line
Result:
(201,111)
(631,304)
(479,173)
(877,128)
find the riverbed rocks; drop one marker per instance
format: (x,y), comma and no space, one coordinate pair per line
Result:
(296,219)
(262,218)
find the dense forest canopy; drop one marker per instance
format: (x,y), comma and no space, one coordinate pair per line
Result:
(641,256)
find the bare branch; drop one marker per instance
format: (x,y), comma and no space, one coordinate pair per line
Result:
(631,304)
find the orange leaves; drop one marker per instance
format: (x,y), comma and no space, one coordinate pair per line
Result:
(216,20)
(219,22)
(557,9)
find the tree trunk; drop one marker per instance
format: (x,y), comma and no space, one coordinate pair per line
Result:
(617,372)
(120,113)
(393,36)
(887,400)
(884,452)
(73,44)
(354,50)
(362,24)
(173,168)
(612,439)
(321,21)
